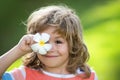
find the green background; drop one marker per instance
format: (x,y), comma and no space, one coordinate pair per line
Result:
(100,20)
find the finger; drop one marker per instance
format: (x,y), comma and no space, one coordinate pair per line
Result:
(31,38)
(28,40)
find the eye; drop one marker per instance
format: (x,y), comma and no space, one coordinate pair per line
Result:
(58,42)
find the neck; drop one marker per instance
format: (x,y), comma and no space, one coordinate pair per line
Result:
(57,70)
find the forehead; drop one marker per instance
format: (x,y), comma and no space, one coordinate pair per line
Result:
(49,30)
(52,31)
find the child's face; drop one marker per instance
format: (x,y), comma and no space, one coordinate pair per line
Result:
(57,57)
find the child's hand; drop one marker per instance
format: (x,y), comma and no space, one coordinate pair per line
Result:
(25,43)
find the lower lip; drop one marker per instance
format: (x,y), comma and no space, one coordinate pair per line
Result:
(50,56)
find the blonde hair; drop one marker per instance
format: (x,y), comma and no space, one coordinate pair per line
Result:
(68,24)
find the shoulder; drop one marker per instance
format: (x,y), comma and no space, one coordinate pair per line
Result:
(15,74)
(93,73)
(35,74)
(31,70)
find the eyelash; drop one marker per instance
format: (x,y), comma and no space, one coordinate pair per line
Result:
(58,42)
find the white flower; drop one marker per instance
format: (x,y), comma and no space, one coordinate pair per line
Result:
(41,46)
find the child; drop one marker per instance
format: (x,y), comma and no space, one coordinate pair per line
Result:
(53,48)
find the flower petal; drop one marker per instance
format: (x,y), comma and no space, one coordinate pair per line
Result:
(35,47)
(42,51)
(47,47)
(45,36)
(37,37)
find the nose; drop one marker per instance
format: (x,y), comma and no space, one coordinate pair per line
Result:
(53,48)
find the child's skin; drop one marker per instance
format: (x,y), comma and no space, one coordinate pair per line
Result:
(55,60)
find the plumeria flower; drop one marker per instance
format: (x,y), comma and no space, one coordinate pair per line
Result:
(41,46)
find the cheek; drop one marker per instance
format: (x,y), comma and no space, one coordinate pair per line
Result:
(64,49)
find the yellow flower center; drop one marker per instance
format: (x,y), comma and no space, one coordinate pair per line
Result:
(42,43)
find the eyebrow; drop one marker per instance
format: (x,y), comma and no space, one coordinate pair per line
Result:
(59,36)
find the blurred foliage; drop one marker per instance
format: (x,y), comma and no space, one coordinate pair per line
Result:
(101,24)
(102,33)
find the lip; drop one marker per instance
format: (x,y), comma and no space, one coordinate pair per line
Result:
(51,56)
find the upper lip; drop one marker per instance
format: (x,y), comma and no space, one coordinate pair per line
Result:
(51,55)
